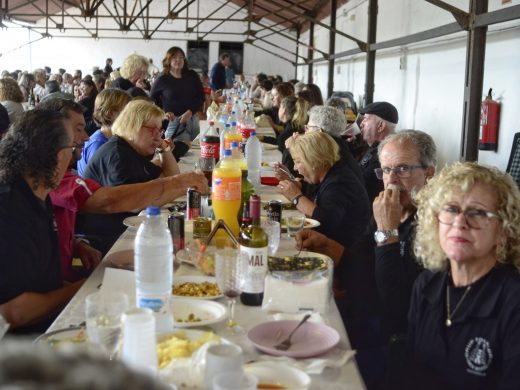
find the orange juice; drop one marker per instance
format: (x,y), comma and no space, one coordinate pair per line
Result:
(232,137)
(225,191)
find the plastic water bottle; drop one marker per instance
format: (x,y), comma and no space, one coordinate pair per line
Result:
(153,259)
(222,135)
(254,159)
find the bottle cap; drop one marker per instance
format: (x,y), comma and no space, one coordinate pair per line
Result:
(211,123)
(153,210)
(227,125)
(234,144)
(253,132)
(227,152)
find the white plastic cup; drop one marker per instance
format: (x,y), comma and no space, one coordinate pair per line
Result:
(139,342)
(222,358)
(234,381)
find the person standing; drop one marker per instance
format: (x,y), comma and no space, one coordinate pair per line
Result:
(108,67)
(380,119)
(179,91)
(218,72)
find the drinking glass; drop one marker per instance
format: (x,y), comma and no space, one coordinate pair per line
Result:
(294,224)
(272,229)
(229,274)
(104,320)
(206,165)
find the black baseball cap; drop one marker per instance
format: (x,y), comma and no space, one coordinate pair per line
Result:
(384,110)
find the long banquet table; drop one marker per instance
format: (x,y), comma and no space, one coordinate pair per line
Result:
(344,377)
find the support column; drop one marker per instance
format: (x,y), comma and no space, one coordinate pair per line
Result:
(371,54)
(474,77)
(332,47)
(310,55)
(298,32)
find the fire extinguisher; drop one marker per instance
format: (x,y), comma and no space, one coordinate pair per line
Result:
(489,114)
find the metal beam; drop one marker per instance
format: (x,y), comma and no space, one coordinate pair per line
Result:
(460,16)
(221,23)
(310,53)
(371,54)
(298,30)
(474,77)
(272,53)
(332,47)
(498,16)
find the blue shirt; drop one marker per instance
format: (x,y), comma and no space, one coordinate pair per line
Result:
(91,146)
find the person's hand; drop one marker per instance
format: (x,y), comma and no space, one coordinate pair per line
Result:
(170,116)
(186,117)
(289,141)
(387,209)
(89,256)
(193,179)
(313,241)
(280,171)
(289,189)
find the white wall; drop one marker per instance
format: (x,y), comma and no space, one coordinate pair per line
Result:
(428,92)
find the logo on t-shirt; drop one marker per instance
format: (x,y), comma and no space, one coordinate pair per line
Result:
(478,356)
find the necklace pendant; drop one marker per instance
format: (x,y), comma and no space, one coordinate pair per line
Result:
(448,322)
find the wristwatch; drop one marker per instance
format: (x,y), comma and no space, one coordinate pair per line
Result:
(296,200)
(382,236)
(167,148)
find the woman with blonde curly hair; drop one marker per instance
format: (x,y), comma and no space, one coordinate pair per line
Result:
(133,72)
(464,319)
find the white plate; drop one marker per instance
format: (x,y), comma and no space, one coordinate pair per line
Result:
(195,279)
(310,223)
(208,312)
(64,338)
(135,221)
(269,146)
(276,373)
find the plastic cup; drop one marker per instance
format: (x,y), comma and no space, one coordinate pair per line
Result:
(222,358)
(234,381)
(139,342)
(294,224)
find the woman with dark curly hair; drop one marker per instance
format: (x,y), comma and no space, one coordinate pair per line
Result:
(178,90)
(34,155)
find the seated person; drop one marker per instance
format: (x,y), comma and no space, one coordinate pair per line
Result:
(34,155)
(293,115)
(108,104)
(464,317)
(128,158)
(341,203)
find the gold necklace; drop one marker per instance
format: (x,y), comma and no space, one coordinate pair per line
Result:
(449,315)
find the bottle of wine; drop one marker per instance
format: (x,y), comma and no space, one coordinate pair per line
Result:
(253,250)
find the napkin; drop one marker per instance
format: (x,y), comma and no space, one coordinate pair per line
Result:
(119,280)
(315,317)
(334,359)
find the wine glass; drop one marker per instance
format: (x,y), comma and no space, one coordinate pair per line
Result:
(104,314)
(272,229)
(229,274)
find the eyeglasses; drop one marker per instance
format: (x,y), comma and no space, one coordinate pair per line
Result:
(154,129)
(311,127)
(403,171)
(73,147)
(475,218)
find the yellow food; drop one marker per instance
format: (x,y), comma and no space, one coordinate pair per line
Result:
(204,289)
(179,346)
(191,318)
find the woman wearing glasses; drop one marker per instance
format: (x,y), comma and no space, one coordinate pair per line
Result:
(136,153)
(179,91)
(464,320)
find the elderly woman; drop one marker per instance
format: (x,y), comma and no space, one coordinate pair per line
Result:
(179,92)
(128,157)
(108,104)
(331,121)
(340,203)
(464,320)
(11,98)
(133,72)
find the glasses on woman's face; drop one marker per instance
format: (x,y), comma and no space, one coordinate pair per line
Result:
(309,128)
(475,218)
(403,171)
(73,147)
(154,130)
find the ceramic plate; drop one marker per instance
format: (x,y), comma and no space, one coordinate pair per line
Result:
(125,260)
(269,146)
(135,221)
(310,223)
(276,374)
(177,280)
(190,313)
(310,340)
(75,336)
(269,181)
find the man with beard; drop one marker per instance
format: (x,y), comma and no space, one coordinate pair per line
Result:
(76,195)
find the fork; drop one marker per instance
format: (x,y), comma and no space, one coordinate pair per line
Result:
(286,344)
(291,176)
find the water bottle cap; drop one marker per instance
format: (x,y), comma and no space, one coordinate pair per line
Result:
(227,125)
(227,152)
(153,210)
(233,124)
(234,144)
(253,132)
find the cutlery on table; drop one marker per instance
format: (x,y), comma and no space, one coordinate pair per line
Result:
(286,344)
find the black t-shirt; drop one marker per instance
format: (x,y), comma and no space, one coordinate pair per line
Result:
(122,83)
(342,206)
(368,163)
(115,163)
(29,254)
(481,349)
(178,95)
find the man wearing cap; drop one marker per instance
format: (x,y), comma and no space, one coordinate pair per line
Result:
(379,120)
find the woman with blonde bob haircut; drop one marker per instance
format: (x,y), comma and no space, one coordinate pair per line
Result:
(133,72)
(341,202)
(108,104)
(464,319)
(136,152)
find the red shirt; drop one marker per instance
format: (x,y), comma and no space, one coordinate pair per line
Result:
(67,200)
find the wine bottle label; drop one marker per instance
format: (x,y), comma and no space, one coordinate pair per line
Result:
(254,262)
